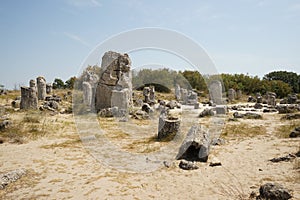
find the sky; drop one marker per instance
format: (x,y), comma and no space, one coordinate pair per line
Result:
(54,37)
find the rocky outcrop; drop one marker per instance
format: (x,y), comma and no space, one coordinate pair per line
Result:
(29,99)
(215,92)
(195,146)
(114,87)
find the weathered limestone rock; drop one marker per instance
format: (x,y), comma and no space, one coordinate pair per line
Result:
(207,112)
(152,94)
(259,98)
(251,99)
(146,94)
(214,161)
(231,94)
(188,165)
(247,115)
(108,112)
(292,99)
(147,108)
(238,94)
(273,191)
(115,83)
(258,106)
(177,92)
(286,158)
(195,146)
(192,97)
(184,95)
(221,110)
(284,109)
(295,133)
(12,176)
(215,92)
(32,84)
(29,99)
(87,93)
(92,78)
(291,116)
(167,128)
(49,88)
(120,98)
(173,104)
(41,87)
(271,98)
(140,114)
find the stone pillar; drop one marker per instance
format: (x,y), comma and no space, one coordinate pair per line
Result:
(32,84)
(87,93)
(231,94)
(49,88)
(152,94)
(192,97)
(41,87)
(146,93)
(177,93)
(259,98)
(238,94)
(29,99)
(115,80)
(167,128)
(215,92)
(271,98)
(184,95)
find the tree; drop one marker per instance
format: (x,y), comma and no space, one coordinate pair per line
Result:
(195,79)
(58,84)
(70,83)
(291,78)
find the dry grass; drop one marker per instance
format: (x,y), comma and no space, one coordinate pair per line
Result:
(146,145)
(243,130)
(67,144)
(283,131)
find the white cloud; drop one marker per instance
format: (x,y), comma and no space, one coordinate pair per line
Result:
(76,38)
(84,3)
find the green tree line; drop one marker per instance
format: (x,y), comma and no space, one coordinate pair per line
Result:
(280,82)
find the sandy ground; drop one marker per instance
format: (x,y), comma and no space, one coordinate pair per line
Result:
(59,167)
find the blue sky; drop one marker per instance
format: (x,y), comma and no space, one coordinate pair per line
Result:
(52,38)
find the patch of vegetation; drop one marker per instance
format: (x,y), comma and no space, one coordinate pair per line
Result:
(283,131)
(243,129)
(67,144)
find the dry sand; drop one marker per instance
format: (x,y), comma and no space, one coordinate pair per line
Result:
(59,167)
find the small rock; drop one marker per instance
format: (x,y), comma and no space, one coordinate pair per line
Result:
(167,164)
(283,158)
(215,162)
(295,133)
(217,141)
(273,191)
(207,112)
(6,179)
(188,165)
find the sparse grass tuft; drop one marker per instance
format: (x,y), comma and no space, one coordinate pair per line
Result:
(67,144)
